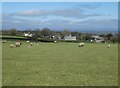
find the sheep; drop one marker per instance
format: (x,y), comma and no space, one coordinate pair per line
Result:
(55,41)
(20,43)
(81,44)
(12,45)
(108,46)
(31,44)
(27,41)
(17,44)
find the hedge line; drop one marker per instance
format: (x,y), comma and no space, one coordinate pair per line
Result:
(46,40)
(14,37)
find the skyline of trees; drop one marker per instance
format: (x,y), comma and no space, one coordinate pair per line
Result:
(47,33)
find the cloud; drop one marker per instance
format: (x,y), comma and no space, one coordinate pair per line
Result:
(12,20)
(30,13)
(75,24)
(89,6)
(99,24)
(57,24)
(91,24)
(74,13)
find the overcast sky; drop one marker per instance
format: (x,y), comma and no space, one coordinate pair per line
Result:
(79,16)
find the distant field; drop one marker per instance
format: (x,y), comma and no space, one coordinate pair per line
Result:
(60,64)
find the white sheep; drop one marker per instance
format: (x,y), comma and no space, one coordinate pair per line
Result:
(55,41)
(12,45)
(81,44)
(27,41)
(108,46)
(31,44)
(17,44)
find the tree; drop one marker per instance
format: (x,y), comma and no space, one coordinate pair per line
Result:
(88,36)
(102,35)
(64,33)
(114,38)
(45,32)
(77,34)
(13,32)
(37,32)
(109,36)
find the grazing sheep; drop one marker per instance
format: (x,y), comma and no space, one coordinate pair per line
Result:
(27,41)
(55,41)
(108,46)
(12,45)
(81,44)
(17,44)
(31,44)
(20,43)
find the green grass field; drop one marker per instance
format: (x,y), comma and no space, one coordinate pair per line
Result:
(60,64)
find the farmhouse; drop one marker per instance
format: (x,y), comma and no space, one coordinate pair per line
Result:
(70,38)
(28,34)
(98,39)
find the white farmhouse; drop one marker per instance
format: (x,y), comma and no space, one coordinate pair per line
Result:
(28,34)
(70,38)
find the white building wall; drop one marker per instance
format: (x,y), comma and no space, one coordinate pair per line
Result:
(69,38)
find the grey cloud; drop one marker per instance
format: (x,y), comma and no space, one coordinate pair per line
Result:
(75,13)
(57,22)
(103,24)
(91,24)
(90,6)
(11,20)
(100,21)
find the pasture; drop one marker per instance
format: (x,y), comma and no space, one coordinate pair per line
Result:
(60,64)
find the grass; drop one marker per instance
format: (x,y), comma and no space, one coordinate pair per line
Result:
(60,64)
